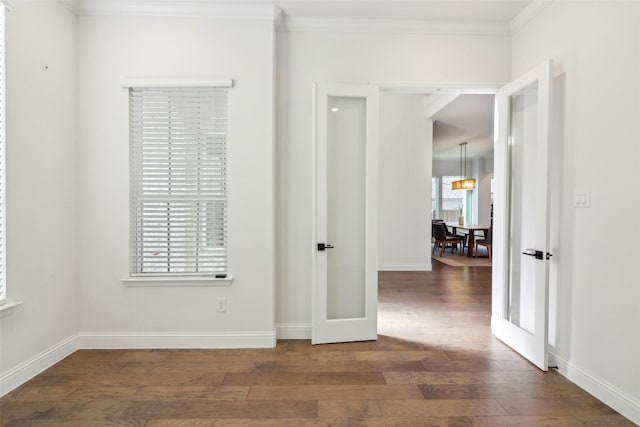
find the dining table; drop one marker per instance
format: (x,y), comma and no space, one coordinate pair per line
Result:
(472,228)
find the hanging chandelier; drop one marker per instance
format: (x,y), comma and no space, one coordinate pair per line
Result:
(464,183)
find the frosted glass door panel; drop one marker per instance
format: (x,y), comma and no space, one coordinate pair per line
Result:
(346,207)
(522,194)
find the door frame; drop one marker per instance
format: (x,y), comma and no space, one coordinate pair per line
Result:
(400,87)
(500,181)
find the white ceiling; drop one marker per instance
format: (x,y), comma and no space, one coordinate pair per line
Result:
(469,118)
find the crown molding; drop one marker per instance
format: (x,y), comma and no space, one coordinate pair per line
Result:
(394,26)
(9,5)
(527,14)
(196,8)
(267,11)
(69,4)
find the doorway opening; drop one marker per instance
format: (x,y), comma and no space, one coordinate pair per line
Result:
(420,133)
(452,118)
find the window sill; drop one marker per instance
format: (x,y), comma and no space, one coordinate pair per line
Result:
(179,281)
(8,307)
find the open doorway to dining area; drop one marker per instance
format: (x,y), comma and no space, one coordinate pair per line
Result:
(462,180)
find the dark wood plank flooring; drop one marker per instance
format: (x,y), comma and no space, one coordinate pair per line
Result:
(435,364)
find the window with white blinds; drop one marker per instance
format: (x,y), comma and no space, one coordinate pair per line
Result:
(3,143)
(178,170)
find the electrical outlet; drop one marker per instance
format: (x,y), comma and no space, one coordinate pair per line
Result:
(222,305)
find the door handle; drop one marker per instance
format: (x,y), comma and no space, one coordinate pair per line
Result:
(536,254)
(323,246)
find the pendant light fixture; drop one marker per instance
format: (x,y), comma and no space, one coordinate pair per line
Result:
(464,183)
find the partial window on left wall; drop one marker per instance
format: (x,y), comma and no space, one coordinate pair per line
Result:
(3,151)
(178,173)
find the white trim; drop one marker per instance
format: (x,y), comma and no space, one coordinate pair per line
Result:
(28,369)
(431,87)
(168,281)
(314,207)
(70,5)
(142,82)
(527,14)
(7,307)
(622,402)
(405,267)
(203,340)
(8,5)
(3,158)
(395,26)
(277,19)
(177,8)
(293,331)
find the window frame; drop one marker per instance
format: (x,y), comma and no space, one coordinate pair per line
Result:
(192,278)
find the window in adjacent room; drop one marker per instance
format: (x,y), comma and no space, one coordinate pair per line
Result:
(453,201)
(435,196)
(178,170)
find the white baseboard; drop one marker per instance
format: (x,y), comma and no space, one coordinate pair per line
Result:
(28,369)
(293,331)
(22,373)
(139,340)
(626,405)
(405,267)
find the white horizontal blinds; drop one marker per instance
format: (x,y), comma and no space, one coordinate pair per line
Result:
(178,180)
(3,205)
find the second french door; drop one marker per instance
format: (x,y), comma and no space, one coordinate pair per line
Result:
(521,216)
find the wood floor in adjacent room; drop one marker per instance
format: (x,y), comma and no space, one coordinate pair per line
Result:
(435,364)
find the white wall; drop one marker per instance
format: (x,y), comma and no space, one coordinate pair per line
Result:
(406,139)
(594,288)
(482,171)
(446,167)
(485,175)
(110,50)
(307,57)
(41,184)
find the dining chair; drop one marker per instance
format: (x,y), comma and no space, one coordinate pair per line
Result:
(487,242)
(452,234)
(439,232)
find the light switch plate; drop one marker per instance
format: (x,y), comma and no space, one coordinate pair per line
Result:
(582,199)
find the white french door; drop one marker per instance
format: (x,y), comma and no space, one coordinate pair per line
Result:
(345,225)
(521,216)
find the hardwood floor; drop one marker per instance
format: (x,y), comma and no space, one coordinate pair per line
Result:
(435,364)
